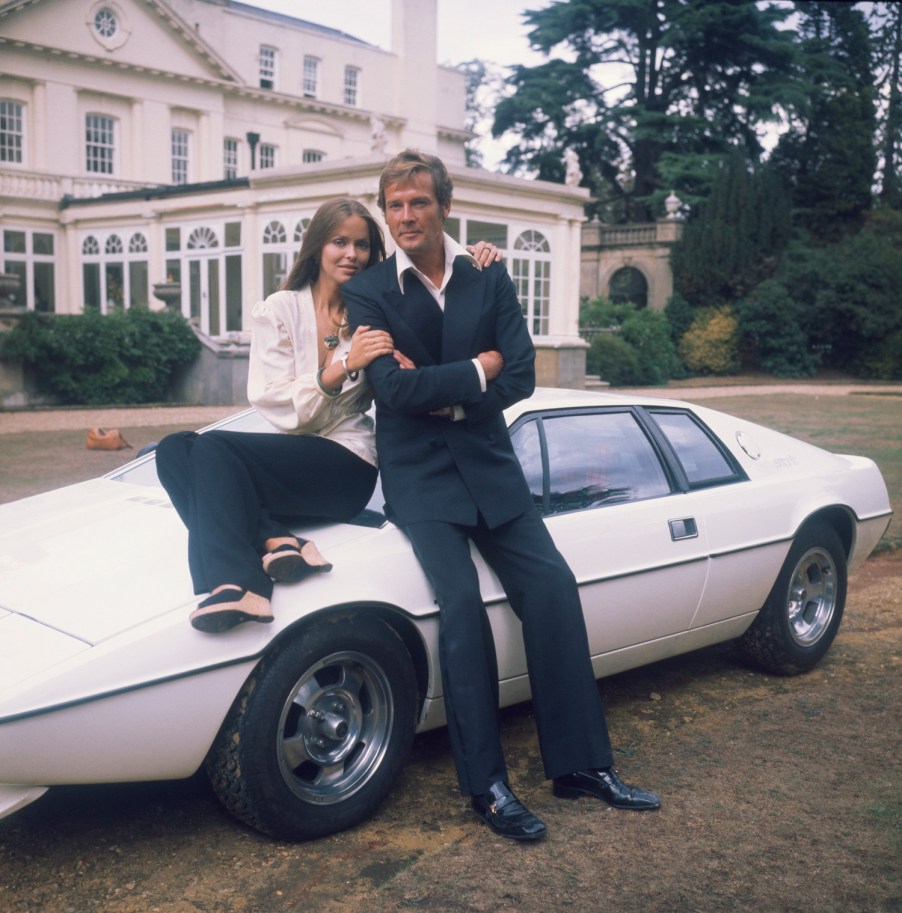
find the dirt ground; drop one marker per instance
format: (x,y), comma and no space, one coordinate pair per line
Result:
(781,795)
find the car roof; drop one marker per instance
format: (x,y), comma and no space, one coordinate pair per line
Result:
(560,398)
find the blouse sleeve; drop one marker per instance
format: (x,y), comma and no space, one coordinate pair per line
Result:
(277,384)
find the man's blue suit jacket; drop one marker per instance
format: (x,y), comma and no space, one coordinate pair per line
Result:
(434,468)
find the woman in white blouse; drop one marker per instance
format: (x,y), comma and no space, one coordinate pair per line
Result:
(305,377)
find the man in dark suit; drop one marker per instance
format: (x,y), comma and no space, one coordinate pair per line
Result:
(450,477)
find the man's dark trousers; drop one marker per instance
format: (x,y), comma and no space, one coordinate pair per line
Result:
(542,592)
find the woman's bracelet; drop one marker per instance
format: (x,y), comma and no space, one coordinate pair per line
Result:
(351,375)
(324,389)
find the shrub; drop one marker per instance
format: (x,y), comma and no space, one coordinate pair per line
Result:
(648,332)
(777,327)
(613,360)
(711,344)
(88,359)
(883,361)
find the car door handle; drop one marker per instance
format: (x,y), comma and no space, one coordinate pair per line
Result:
(683,529)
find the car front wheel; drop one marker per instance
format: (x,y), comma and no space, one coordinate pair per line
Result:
(802,614)
(320,730)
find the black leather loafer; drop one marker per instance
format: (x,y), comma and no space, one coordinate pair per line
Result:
(506,816)
(606,785)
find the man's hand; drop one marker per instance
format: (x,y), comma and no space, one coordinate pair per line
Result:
(492,363)
(403,361)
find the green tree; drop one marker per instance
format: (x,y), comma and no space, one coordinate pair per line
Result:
(828,155)
(735,238)
(701,76)
(886,24)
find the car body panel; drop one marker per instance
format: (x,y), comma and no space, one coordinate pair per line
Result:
(102,679)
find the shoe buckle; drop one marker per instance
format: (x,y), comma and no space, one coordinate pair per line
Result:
(493,808)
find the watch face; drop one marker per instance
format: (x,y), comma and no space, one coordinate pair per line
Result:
(105,23)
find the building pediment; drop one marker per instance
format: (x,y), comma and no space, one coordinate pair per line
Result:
(145,35)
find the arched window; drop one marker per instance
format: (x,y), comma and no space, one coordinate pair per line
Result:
(531,273)
(202,238)
(299,231)
(114,278)
(629,284)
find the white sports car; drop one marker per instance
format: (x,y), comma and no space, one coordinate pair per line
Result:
(684,527)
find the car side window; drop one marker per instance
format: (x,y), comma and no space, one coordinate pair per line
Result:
(592,459)
(702,460)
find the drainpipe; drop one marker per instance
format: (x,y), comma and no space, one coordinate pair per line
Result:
(252,140)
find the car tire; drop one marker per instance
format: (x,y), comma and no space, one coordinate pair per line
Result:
(802,614)
(320,731)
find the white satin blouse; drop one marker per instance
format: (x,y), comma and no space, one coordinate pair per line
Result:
(281,381)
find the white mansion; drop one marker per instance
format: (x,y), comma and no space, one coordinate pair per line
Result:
(189,141)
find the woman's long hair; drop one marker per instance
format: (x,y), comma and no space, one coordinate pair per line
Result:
(322,228)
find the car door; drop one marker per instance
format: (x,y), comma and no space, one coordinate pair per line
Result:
(620,518)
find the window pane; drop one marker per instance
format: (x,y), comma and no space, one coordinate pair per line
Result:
(173,271)
(493,232)
(173,239)
(233,234)
(275,268)
(115,294)
(42,243)
(99,143)
(702,460)
(233,292)
(528,447)
(180,140)
(44,287)
(90,277)
(601,458)
(452,227)
(230,159)
(11,131)
(14,242)
(19,297)
(137,284)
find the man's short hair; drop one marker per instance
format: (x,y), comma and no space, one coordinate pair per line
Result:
(406,164)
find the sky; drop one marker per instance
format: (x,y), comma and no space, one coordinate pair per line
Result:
(489,30)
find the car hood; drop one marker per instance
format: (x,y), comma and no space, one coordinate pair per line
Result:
(95,559)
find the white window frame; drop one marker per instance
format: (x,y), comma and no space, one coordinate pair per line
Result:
(310,78)
(101,143)
(231,157)
(352,86)
(12,132)
(312,155)
(274,242)
(268,155)
(180,150)
(266,66)
(111,248)
(530,270)
(26,261)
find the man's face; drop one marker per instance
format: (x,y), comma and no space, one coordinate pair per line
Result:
(414,217)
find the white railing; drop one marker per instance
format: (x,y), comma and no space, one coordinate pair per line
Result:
(35,185)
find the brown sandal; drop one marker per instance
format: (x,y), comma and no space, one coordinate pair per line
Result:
(288,563)
(227,608)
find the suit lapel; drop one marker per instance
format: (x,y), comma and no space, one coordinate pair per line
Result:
(464,300)
(415,310)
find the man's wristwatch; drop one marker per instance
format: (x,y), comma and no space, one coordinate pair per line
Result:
(351,375)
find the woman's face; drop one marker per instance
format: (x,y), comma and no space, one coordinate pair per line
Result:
(346,252)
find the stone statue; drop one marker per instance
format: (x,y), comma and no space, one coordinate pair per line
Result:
(574,172)
(377,134)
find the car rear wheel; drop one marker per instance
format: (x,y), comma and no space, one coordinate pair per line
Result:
(320,730)
(802,614)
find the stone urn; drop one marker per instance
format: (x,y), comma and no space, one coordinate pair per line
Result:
(9,285)
(170,293)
